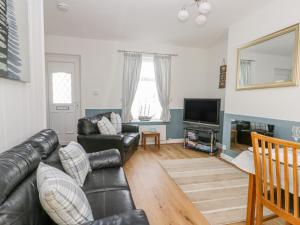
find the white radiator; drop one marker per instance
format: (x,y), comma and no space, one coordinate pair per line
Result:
(156,128)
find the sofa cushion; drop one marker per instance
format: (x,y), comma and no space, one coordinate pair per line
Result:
(106,127)
(75,162)
(61,197)
(45,142)
(116,122)
(105,180)
(88,125)
(15,165)
(109,203)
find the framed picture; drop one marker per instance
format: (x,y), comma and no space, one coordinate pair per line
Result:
(14,40)
(222,81)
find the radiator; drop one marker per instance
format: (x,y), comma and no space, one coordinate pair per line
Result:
(157,128)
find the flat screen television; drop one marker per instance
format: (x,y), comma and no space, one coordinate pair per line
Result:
(203,111)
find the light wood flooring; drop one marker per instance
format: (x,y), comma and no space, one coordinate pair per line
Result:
(155,192)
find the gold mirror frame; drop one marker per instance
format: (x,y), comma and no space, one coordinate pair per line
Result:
(295,71)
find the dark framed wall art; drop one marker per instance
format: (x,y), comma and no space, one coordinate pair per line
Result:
(14,40)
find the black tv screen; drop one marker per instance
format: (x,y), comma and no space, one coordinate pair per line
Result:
(202,110)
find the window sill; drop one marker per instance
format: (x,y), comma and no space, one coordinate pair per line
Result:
(146,122)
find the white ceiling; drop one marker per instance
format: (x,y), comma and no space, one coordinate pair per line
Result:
(145,20)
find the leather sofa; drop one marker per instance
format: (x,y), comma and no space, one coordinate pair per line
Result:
(106,186)
(89,137)
(245,128)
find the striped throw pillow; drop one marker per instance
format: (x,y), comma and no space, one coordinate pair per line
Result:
(61,197)
(75,161)
(116,122)
(106,127)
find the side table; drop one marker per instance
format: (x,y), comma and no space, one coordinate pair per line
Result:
(146,134)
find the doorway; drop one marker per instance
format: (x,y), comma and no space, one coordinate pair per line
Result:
(63,95)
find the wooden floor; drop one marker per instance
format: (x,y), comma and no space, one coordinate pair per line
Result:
(155,192)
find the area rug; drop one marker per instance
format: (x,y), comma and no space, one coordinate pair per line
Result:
(216,188)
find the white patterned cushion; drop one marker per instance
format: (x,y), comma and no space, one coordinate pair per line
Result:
(75,161)
(106,127)
(116,122)
(61,197)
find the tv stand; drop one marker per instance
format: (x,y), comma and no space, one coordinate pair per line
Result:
(201,138)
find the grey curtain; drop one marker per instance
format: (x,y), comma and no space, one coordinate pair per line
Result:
(162,68)
(131,76)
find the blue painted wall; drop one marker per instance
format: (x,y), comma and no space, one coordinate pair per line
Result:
(174,127)
(283,128)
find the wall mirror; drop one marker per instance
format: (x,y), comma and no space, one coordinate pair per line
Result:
(271,61)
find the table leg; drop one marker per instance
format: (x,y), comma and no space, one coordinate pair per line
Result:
(144,142)
(158,141)
(251,200)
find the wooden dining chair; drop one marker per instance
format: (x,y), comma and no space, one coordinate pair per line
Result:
(276,185)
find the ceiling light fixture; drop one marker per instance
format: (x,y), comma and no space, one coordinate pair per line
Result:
(203,8)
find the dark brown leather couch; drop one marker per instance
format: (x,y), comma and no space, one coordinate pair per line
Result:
(106,187)
(90,138)
(244,130)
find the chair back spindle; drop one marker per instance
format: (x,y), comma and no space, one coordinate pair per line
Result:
(277,176)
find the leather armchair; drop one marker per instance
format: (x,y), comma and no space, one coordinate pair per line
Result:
(244,130)
(92,141)
(98,142)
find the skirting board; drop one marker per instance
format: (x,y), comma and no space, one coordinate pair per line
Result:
(226,157)
(174,141)
(170,141)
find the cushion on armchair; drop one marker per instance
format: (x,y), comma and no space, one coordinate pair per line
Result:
(116,122)
(106,127)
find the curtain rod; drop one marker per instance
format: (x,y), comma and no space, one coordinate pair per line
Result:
(248,60)
(149,53)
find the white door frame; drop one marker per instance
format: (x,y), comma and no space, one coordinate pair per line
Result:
(56,57)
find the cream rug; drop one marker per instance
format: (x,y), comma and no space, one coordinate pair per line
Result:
(217,189)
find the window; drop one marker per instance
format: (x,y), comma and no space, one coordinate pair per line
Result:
(146,101)
(61,88)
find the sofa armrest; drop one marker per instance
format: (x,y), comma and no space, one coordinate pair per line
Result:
(134,217)
(130,128)
(99,142)
(105,159)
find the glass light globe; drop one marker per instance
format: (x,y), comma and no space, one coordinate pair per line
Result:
(204,7)
(183,15)
(201,20)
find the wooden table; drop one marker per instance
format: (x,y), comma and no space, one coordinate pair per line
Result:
(155,135)
(245,162)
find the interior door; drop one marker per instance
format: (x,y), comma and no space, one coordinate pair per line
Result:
(63,95)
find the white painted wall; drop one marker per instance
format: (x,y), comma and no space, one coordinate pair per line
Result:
(22,105)
(216,55)
(101,69)
(277,103)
